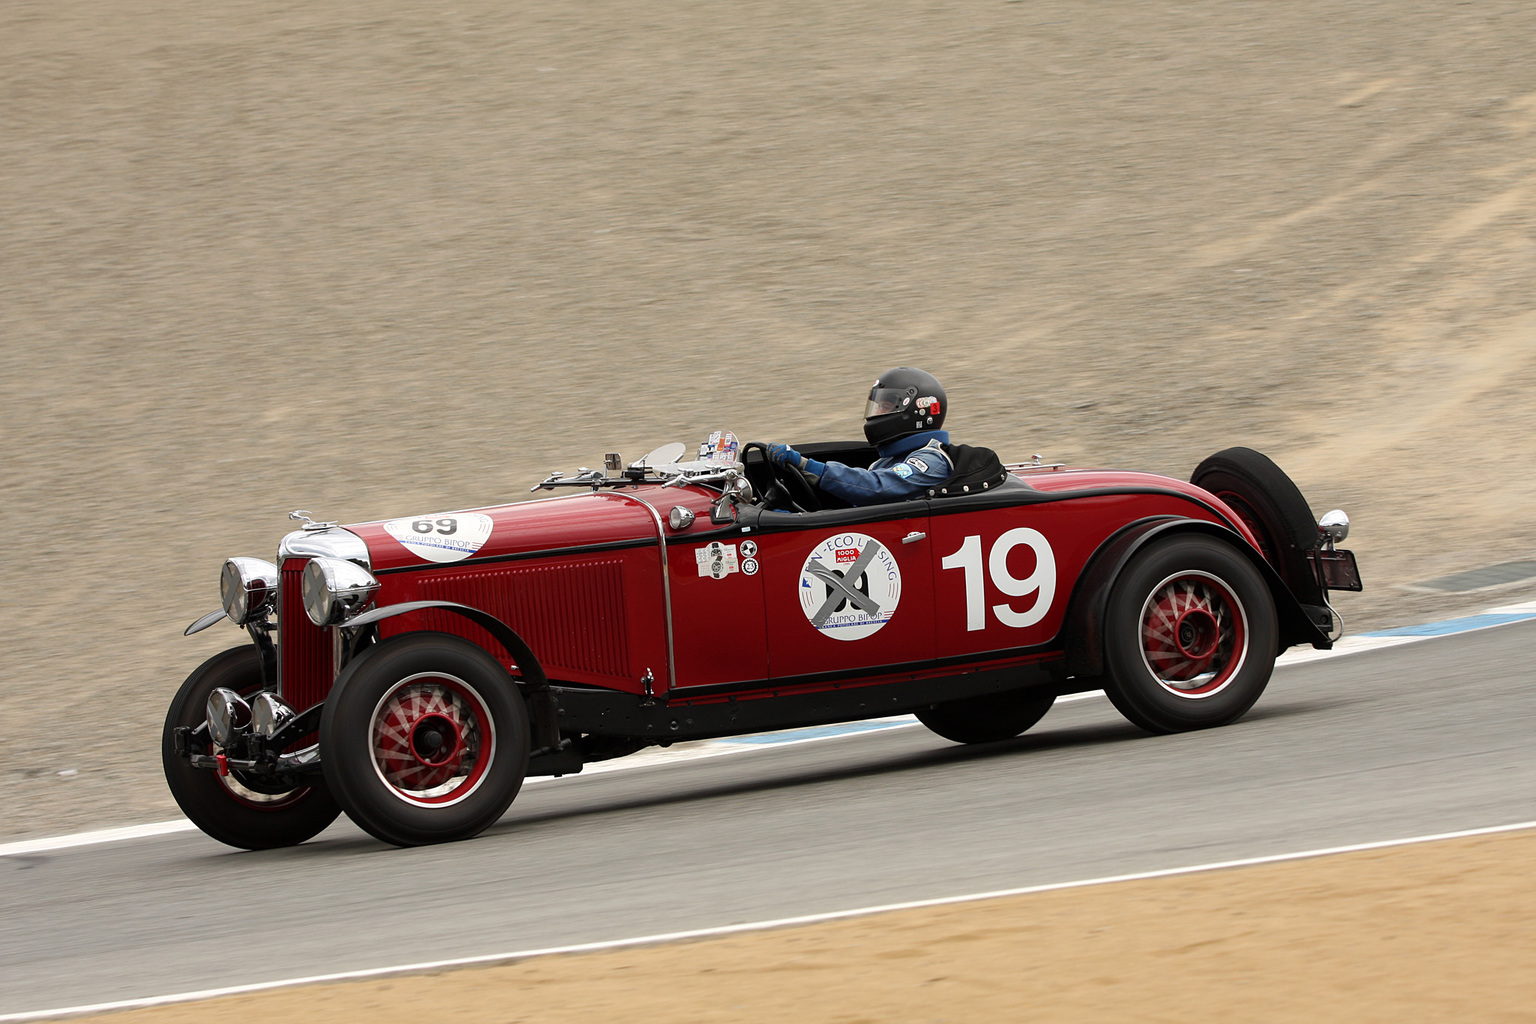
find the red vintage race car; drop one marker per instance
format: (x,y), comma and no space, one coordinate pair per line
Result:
(413,672)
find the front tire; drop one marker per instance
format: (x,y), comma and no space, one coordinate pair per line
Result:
(988,718)
(243,812)
(1190,636)
(424,740)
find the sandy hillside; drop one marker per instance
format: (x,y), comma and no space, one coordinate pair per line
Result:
(375,258)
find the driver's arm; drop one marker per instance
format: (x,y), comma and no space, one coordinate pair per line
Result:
(910,478)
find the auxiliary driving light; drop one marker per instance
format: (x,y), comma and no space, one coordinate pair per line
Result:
(248,587)
(269,714)
(228,716)
(335,590)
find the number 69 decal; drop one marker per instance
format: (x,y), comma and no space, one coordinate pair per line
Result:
(1041,582)
(441,538)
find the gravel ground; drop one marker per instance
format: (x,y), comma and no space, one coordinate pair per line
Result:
(374,258)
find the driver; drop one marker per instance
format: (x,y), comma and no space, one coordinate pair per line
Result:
(902,420)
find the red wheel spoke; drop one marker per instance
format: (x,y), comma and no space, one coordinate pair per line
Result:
(427,741)
(1192,634)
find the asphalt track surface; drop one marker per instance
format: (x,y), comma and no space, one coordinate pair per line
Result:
(1429,737)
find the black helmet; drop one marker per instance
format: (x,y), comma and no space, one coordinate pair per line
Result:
(904,401)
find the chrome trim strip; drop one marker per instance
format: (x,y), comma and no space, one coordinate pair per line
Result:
(666,578)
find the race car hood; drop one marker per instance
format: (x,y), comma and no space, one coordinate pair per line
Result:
(573,521)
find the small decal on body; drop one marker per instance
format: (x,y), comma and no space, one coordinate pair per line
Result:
(749,566)
(441,538)
(716,560)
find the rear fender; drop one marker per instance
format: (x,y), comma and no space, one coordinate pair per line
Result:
(1090,596)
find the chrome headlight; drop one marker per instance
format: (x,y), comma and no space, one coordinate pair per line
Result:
(248,587)
(335,590)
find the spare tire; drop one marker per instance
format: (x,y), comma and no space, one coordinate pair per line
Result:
(1270,505)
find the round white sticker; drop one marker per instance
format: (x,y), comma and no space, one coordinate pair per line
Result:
(850,586)
(441,538)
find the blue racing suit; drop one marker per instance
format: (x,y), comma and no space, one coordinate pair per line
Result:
(907,468)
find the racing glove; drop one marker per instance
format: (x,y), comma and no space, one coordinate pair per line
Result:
(779,454)
(782,454)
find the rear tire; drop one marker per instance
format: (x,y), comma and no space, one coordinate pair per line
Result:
(1190,636)
(989,717)
(424,740)
(226,808)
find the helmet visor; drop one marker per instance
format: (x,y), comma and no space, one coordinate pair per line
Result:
(884,401)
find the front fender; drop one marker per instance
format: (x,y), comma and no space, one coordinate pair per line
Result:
(542,709)
(527,662)
(1090,596)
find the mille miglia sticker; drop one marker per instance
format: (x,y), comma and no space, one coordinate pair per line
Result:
(442,538)
(850,586)
(716,560)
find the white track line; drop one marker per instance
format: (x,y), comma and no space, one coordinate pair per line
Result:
(106,835)
(739,745)
(751,926)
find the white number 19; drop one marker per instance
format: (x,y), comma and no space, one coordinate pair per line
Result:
(1041,582)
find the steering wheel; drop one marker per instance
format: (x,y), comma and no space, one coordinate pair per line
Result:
(797,489)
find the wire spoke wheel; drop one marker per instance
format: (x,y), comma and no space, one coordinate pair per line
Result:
(433,739)
(1190,635)
(1194,634)
(424,739)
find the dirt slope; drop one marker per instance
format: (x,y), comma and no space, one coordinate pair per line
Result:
(375,258)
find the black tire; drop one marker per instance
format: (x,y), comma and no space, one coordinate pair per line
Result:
(1272,506)
(989,717)
(424,740)
(1190,635)
(229,809)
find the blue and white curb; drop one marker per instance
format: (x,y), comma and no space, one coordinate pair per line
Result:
(701,749)
(1501,616)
